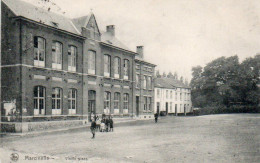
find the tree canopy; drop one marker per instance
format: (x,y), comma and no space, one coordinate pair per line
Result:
(225,81)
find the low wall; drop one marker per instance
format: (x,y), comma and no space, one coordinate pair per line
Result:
(21,127)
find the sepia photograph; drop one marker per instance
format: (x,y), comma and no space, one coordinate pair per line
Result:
(130,81)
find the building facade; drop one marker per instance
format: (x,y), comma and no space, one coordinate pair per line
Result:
(172,97)
(144,86)
(56,68)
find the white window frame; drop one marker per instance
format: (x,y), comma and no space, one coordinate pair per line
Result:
(37,51)
(107,65)
(72,58)
(72,101)
(126,103)
(55,109)
(126,69)
(116,102)
(38,99)
(92,62)
(57,55)
(117,67)
(107,102)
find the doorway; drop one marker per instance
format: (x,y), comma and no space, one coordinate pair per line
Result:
(137,105)
(91,102)
(158,107)
(176,111)
(166,108)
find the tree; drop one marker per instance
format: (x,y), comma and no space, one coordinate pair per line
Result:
(186,82)
(170,75)
(181,79)
(175,75)
(158,74)
(164,75)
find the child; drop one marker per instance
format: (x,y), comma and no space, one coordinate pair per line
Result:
(93,128)
(102,126)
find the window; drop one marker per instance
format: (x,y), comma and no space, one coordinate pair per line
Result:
(107,64)
(107,98)
(158,93)
(39,52)
(180,96)
(91,62)
(149,82)
(149,103)
(117,65)
(126,101)
(145,80)
(126,69)
(72,100)
(39,100)
(56,55)
(72,51)
(176,96)
(166,93)
(116,100)
(56,100)
(145,103)
(171,94)
(170,106)
(138,80)
(137,66)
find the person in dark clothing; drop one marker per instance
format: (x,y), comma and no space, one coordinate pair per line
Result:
(93,128)
(107,124)
(156,117)
(111,124)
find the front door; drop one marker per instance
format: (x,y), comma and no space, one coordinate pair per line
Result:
(166,108)
(137,105)
(158,107)
(91,102)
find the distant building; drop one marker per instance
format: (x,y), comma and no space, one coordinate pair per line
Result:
(55,69)
(171,96)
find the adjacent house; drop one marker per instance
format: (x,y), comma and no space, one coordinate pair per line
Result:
(171,97)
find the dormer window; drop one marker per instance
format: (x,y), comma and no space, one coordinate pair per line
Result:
(55,24)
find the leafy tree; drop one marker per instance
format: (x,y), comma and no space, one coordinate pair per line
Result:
(158,74)
(170,75)
(164,75)
(175,75)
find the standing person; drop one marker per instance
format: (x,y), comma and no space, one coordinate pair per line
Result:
(107,124)
(93,128)
(111,124)
(156,117)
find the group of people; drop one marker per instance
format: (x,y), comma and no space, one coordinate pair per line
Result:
(105,124)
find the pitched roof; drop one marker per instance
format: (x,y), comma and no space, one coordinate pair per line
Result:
(169,83)
(107,38)
(29,11)
(81,21)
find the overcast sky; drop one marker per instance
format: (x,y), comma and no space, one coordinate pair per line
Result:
(177,34)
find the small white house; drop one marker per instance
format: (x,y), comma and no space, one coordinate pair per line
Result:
(172,96)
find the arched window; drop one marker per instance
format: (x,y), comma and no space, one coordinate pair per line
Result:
(56,100)
(39,100)
(117,64)
(107,98)
(107,65)
(72,100)
(126,69)
(39,51)
(126,103)
(56,55)
(72,57)
(91,62)
(116,102)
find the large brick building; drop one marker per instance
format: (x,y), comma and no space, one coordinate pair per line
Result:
(56,68)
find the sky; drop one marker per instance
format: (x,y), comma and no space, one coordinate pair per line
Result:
(176,34)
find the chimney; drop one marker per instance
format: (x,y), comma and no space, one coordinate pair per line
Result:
(140,51)
(111,29)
